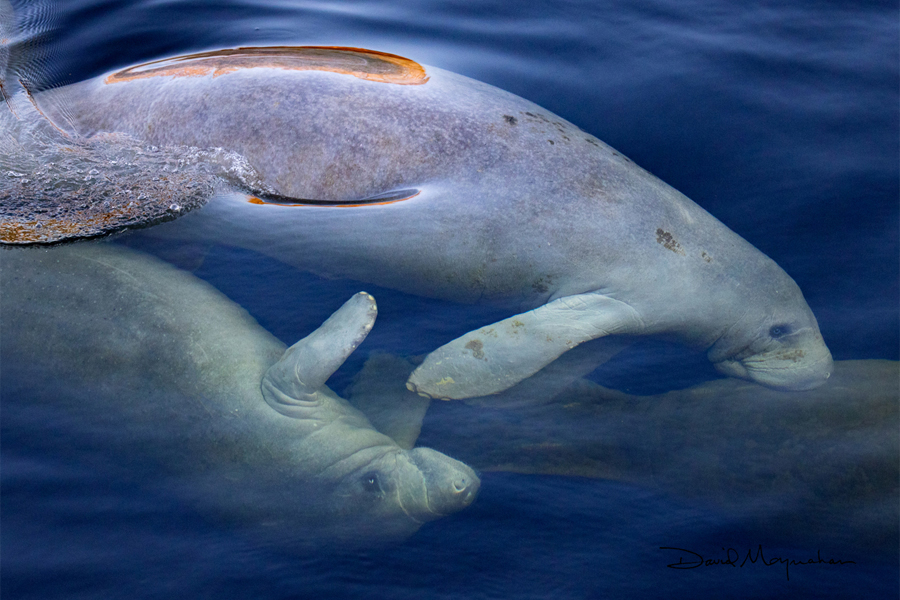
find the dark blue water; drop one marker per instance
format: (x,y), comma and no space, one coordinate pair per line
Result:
(780,121)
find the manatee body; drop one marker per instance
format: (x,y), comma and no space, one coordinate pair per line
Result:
(168,367)
(821,463)
(372,166)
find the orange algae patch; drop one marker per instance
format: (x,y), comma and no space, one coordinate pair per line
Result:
(49,230)
(40,232)
(84,223)
(40,216)
(365,64)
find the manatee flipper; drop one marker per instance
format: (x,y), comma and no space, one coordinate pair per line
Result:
(494,358)
(378,393)
(547,384)
(290,386)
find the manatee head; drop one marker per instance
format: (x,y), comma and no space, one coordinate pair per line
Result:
(437,486)
(359,484)
(776,340)
(385,492)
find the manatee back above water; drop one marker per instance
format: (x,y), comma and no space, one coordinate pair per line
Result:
(373,166)
(158,364)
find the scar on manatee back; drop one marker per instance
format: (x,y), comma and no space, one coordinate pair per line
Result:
(476,346)
(365,64)
(540,286)
(668,241)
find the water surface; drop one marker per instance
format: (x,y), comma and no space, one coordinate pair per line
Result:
(780,121)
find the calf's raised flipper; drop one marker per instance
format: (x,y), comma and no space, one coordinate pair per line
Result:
(290,385)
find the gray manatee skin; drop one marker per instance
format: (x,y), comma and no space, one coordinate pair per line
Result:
(821,463)
(169,367)
(505,202)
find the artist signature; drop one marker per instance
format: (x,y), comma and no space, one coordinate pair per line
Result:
(732,556)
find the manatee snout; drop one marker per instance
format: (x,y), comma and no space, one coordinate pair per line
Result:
(450,485)
(795,362)
(780,371)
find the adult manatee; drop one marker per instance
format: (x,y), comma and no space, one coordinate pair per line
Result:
(818,464)
(369,165)
(165,366)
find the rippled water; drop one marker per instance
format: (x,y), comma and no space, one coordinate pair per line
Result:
(781,122)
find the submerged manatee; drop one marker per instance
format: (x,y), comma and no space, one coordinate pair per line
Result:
(821,463)
(179,372)
(371,166)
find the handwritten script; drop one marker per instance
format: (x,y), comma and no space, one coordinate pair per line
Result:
(732,557)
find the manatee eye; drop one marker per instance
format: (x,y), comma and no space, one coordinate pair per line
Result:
(777,331)
(371,482)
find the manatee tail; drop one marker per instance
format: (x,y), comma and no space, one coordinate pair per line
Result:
(290,385)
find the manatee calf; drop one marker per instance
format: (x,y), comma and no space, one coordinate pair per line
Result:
(372,166)
(167,367)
